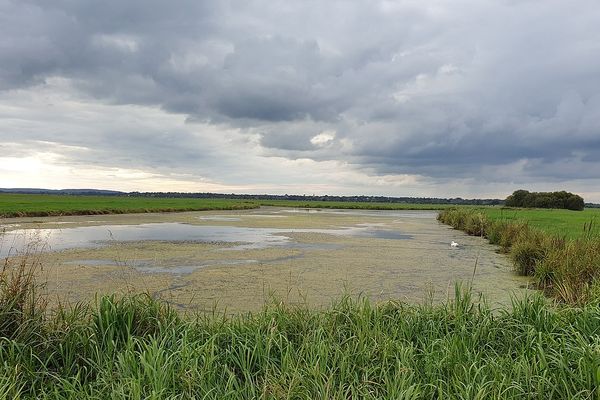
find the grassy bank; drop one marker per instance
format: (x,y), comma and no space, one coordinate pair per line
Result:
(137,348)
(565,265)
(571,224)
(38,205)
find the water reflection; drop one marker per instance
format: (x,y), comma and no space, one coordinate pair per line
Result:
(239,258)
(246,238)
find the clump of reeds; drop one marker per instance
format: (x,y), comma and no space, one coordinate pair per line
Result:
(568,270)
(136,347)
(22,304)
(571,272)
(530,247)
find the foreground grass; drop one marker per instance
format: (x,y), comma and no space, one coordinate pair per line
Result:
(137,348)
(37,205)
(566,268)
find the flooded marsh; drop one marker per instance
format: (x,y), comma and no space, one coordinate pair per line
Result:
(237,260)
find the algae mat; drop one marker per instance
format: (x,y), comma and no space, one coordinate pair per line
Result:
(238,260)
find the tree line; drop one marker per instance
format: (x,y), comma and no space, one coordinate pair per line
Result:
(562,199)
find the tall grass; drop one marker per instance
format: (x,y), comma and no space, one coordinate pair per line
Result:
(566,269)
(137,348)
(22,304)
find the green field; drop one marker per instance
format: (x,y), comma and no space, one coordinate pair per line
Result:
(558,222)
(20,205)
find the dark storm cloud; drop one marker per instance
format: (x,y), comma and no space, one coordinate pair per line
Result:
(429,88)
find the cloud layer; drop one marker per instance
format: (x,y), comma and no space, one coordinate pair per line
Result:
(471,98)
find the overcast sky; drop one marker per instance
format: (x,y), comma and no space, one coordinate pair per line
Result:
(470,98)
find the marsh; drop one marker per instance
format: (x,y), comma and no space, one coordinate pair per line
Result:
(238,260)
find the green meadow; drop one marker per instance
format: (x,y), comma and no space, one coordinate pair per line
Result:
(22,205)
(37,205)
(567,223)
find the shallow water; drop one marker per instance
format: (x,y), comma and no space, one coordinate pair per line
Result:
(237,260)
(252,238)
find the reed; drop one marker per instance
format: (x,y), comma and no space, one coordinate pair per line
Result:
(137,348)
(566,269)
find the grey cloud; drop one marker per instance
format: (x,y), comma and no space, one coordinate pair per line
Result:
(445,91)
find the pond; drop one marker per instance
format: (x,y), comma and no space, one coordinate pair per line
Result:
(238,260)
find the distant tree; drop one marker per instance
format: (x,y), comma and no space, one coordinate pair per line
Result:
(562,199)
(516,199)
(575,202)
(543,201)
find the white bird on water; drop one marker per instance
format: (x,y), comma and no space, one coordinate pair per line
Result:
(453,244)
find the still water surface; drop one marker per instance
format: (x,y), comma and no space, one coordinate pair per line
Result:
(237,260)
